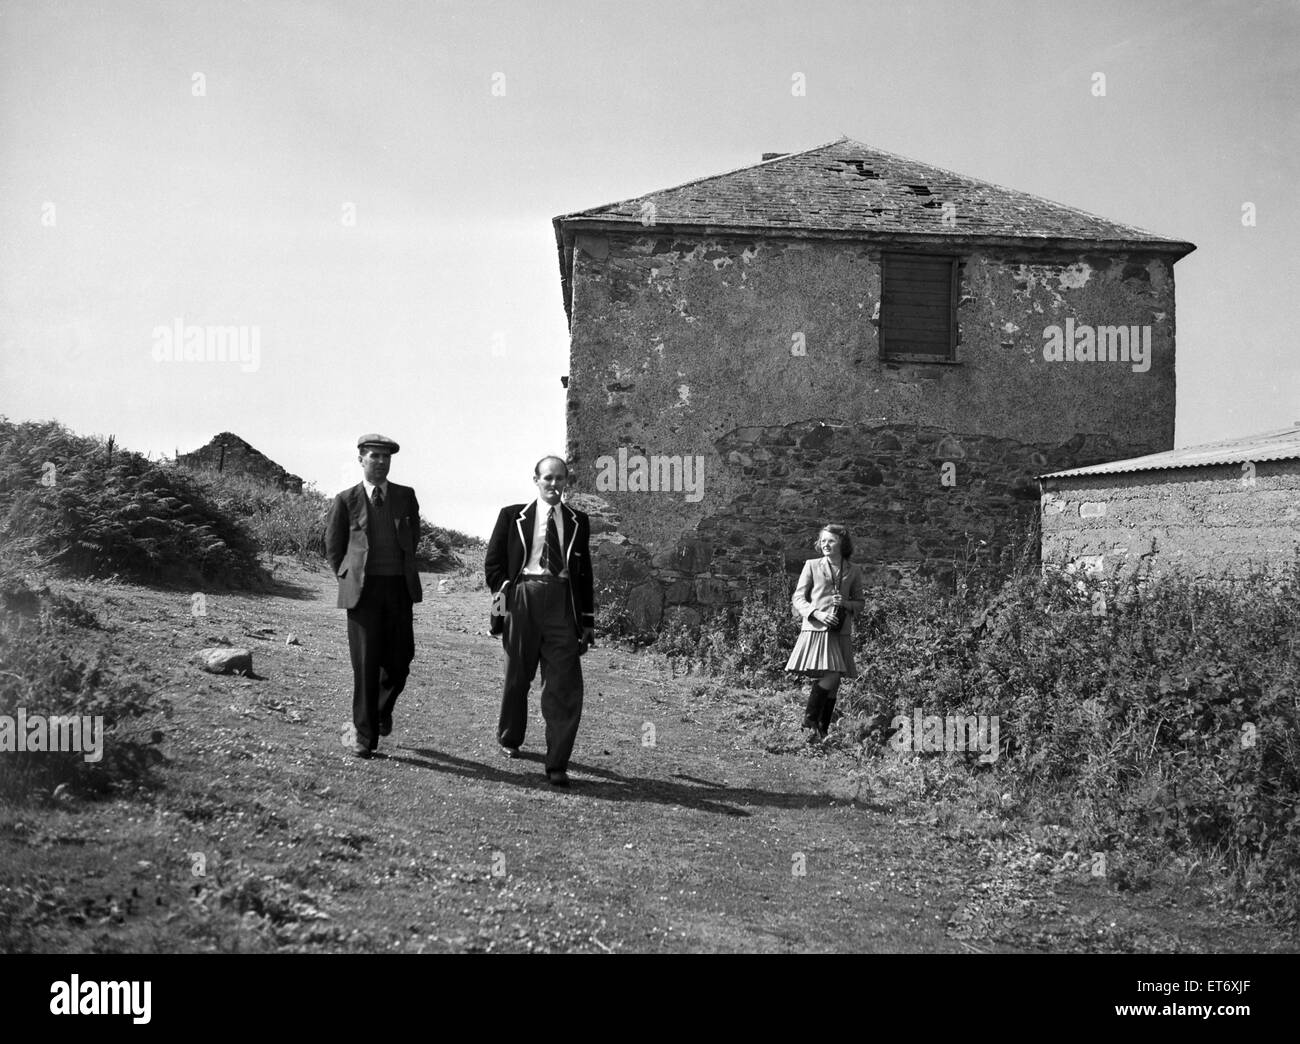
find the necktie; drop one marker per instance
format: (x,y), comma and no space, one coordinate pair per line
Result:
(552,554)
(378,498)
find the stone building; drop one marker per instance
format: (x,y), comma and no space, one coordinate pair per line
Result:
(230,454)
(845,334)
(1223,509)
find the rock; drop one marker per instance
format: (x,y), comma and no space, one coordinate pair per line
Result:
(844,789)
(817,438)
(645,605)
(679,592)
(291,639)
(709,591)
(225,661)
(693,555)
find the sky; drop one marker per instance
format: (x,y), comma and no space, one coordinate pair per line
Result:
(365,191)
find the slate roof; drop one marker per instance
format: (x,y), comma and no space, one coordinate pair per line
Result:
(1283,444)
(846,186)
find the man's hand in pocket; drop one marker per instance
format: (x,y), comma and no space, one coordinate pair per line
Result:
(499,603)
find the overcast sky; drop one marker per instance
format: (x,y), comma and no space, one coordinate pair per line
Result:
(370,187)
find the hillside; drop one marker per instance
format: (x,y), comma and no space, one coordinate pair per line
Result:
(698,820)
(86,506)
(1142,796)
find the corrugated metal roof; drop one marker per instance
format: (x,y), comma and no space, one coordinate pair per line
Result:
(1283,444)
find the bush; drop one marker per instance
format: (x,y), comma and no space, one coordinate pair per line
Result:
(440,549)
(1161,713)
(84,506)
(88,507)
(280,521)
(286,523)
(1164,710)
(750,642)
(56,664)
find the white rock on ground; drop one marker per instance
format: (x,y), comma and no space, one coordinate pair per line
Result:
(225,661)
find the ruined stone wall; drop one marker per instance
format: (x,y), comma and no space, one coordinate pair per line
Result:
(239,458)
(1204,522)
(699,349)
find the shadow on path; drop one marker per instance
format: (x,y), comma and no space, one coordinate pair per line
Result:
(700,794)
(281,587)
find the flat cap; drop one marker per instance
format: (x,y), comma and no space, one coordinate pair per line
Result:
(379,442)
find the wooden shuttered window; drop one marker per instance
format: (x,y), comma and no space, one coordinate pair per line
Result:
(918,308)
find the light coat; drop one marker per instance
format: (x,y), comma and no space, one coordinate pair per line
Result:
(816,587)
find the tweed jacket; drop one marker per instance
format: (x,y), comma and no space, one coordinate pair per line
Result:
(347,542)
(815,588)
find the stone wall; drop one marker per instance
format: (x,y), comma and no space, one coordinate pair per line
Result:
(1204,522)
(730,352)
(919,502)
(239,458)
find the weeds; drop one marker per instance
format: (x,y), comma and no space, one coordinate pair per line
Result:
(89,507)
(75,503)
(1159,718)
(51,664)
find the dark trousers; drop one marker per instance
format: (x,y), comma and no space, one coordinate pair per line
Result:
(381,638)
(539,627)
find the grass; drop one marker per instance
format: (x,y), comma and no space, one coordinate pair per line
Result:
(87,507)
(1158,718)
(56,661)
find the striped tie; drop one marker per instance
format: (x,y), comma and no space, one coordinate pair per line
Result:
(552,553)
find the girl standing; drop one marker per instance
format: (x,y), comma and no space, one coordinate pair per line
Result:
(827,596)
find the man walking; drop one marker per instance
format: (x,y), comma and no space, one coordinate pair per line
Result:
(370,541)
(539,569)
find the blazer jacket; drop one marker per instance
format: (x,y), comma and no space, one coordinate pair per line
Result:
(815,588)
(511,543)
(347,543)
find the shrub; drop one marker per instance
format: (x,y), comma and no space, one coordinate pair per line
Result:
(1167,709)
(1164,713)
(441,549)
(84,506)
(56,664)
(749,642)
(88,507)
(280,521)
(286,523)
(613,622)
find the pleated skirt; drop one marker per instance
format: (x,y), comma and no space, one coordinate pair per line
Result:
(817,652)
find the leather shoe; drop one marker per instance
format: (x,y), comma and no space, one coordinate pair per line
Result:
(360,750)
(559,778)
(385,726)
(509,752)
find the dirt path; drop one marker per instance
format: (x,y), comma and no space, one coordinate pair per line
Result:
(681,832)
